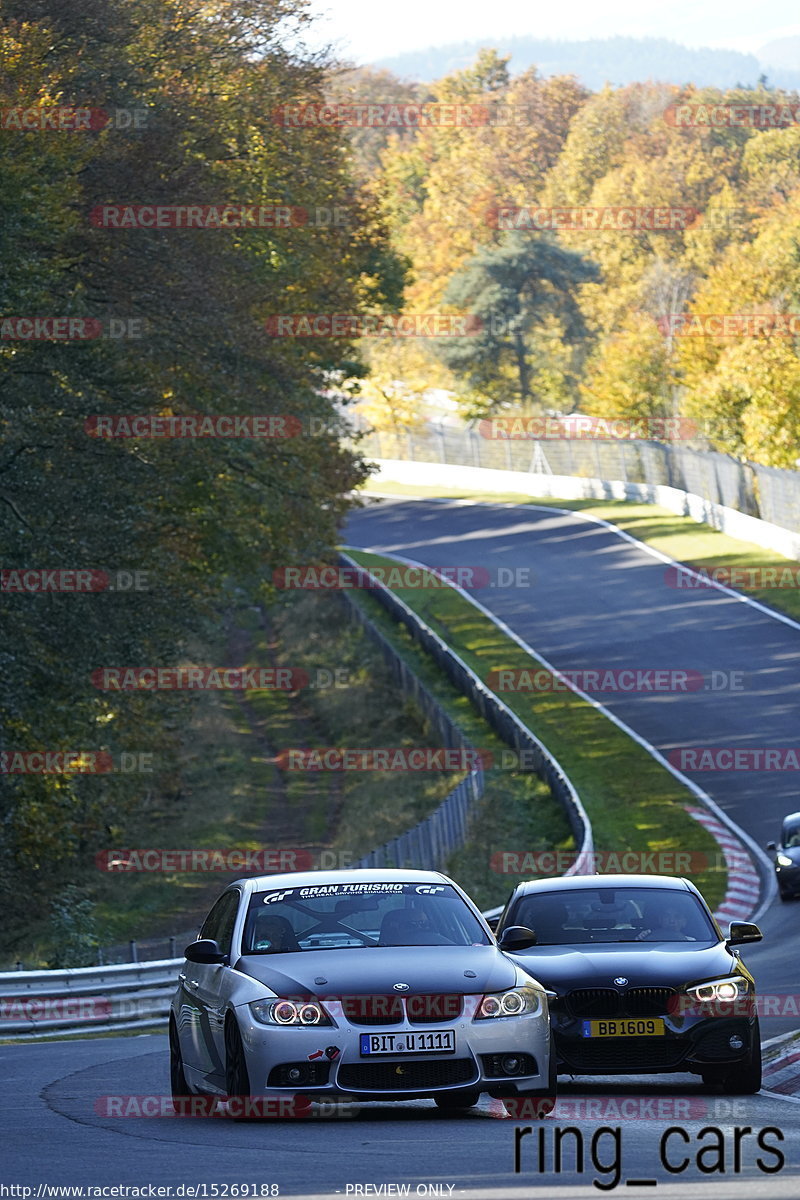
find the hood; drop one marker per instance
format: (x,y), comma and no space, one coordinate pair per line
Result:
(649,963)
(374,970)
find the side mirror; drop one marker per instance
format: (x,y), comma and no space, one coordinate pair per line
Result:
(771,846)
(206,950)
(741,932)
(517,937)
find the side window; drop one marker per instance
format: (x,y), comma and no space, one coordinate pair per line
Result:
(220,921)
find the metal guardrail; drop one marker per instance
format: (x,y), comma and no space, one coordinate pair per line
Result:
(429,843)
(506,724)
(97,999)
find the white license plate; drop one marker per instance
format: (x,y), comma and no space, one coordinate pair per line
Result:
(423,1041)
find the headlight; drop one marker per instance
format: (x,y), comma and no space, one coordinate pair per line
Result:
(730,997)
(785,861)
(289,1012)
(515,1003)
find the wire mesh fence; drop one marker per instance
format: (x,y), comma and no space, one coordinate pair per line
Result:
(770,493)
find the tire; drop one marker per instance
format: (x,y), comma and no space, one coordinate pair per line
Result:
(745,1079)
(785,895)
(237,1080)
(177,1079)
(463,1098)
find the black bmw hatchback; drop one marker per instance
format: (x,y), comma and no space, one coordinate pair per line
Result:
(643,980)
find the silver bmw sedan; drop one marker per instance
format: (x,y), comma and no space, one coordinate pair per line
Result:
(366,984)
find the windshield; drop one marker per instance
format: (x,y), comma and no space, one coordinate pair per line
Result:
(349,915)
(791,836)
(614,915)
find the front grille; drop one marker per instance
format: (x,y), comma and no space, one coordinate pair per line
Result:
(593,1002)
(432,1010)
(373,1010)
(406,1076)
(608,1002)
(634,1055)
(648,1001)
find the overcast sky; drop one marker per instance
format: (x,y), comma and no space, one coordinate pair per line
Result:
(365,30)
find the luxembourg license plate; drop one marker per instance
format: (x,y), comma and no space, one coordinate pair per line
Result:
(625,1027)
(422,1041)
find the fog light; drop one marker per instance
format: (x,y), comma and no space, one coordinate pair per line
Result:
(735,1042)
(294,1073)
(511,1064)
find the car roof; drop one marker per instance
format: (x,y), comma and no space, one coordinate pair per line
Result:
(575,882)
(290,879)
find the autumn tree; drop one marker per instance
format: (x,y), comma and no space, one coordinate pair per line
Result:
(516,290)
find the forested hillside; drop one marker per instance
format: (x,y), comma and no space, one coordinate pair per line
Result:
(601,237)
(165,321)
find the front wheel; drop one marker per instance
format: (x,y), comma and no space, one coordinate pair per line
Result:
(177,1078)
(237,1080)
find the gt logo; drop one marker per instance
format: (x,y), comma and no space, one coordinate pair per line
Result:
(427,890)
(274,897)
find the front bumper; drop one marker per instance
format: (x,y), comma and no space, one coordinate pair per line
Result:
(329,1059)
(788,878)
(693,1046)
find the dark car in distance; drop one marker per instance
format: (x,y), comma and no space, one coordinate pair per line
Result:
(787,857)
(642,980)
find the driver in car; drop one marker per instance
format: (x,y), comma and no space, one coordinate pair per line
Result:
(667,924)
